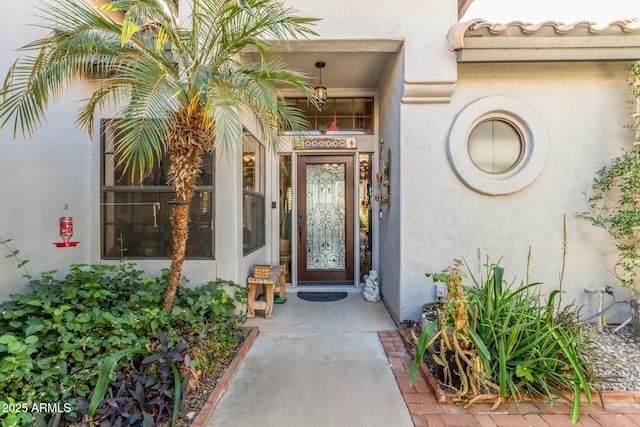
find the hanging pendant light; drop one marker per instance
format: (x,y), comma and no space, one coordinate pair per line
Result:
(320,91)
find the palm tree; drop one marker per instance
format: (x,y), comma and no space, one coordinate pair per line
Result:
(181,88)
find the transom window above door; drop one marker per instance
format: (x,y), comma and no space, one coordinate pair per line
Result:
(339,116)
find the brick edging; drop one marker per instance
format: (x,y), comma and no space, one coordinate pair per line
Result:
(440,395)
(205,413)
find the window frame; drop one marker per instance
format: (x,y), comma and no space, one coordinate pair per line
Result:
(105,190)
(524,119)
(516,132)
(367,117)
(254,237)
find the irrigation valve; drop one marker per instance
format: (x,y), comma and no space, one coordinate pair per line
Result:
(600,314)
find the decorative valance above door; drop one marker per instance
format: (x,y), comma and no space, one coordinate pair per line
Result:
(326,143)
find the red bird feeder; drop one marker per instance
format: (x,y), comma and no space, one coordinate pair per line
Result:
(66,232)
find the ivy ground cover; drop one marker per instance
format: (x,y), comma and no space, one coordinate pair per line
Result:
(55,340)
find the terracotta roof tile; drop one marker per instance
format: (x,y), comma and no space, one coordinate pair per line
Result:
(581,27)
(479,40)
(482,28)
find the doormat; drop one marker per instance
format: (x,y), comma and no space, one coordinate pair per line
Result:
(322,296)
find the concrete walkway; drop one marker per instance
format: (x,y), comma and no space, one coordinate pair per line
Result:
(343,363)
(316,364)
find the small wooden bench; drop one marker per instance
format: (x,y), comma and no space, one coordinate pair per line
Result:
(276,272)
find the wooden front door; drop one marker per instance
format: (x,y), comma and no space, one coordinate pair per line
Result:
(325,219)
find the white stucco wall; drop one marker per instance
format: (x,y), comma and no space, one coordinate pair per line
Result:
(584,109)
(41,174)
(390,279)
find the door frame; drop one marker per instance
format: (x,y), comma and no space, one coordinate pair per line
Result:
(349,273)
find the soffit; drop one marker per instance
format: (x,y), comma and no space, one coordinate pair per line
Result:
(481,41)
(350,64)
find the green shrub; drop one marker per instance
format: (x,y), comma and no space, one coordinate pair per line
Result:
(525,346)
(54,339)
(533,349)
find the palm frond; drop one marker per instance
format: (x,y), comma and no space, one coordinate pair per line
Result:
(227,30)
(137,149)
(227,117)
(259,88)
(179,89)
(149,66)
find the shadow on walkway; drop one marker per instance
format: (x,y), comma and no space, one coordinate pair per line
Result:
(343,363)
(316,364)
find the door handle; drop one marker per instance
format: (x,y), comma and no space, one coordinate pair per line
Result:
(300,224)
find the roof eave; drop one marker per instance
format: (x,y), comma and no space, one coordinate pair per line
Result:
(559,54)
(480,41)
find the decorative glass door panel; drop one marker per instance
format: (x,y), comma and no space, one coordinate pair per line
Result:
(325,219)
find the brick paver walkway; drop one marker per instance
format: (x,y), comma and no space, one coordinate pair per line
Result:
(427,411)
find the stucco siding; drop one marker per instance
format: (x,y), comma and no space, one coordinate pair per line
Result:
(584,109)
(42,173)
(58,166)
(390,257)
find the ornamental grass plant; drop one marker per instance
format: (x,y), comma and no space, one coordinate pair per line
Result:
(526,347)
(533,348)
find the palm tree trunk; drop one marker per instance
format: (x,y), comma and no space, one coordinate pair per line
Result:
(188,139)
(185,189)
(180,235)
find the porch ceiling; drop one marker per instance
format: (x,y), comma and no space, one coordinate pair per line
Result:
(350,65)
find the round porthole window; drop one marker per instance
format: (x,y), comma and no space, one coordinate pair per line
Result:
(495,146)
